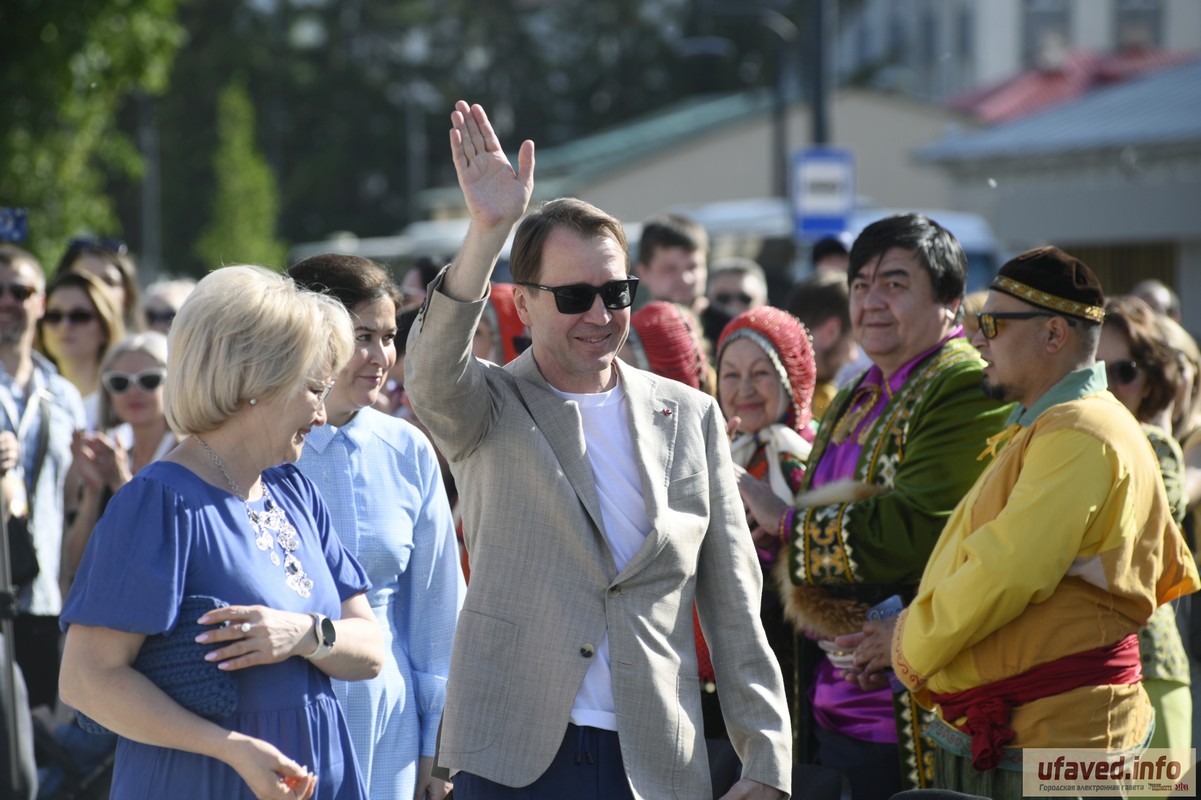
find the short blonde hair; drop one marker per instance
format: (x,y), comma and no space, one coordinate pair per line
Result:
(246,333)
(151,343)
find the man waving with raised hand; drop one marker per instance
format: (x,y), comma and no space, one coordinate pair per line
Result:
(599,506)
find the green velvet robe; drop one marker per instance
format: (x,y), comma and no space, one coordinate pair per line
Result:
(918,459)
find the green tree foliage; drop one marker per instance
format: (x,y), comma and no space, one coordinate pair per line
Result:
(69,66)
(245,208)
(353,98)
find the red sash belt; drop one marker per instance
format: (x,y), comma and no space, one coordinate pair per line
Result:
(988,707)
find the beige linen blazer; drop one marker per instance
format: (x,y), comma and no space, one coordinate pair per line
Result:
(544,587)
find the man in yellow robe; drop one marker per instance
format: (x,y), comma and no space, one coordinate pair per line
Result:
(1023,630)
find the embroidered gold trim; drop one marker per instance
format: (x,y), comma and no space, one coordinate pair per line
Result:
(824,558)
(917,755)
(1039,298)
(862,403)
(830,554)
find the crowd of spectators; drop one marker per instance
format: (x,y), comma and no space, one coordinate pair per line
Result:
(900,503)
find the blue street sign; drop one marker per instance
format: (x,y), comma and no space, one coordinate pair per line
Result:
(823,191)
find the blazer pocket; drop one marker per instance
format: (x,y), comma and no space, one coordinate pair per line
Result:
(688,486)
(478,693)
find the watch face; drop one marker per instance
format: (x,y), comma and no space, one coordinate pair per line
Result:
(328,633)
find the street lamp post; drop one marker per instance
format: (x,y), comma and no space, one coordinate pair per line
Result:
(788,34)
(817,72)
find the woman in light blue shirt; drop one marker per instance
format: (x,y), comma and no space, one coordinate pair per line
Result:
(379,476)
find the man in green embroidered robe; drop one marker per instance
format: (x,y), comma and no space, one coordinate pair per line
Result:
(894,454)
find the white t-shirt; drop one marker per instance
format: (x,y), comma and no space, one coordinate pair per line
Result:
(610,448)
(91,410)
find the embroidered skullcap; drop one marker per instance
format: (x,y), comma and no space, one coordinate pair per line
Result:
(1049,278)
(786,342)
(663,339)
(507,327)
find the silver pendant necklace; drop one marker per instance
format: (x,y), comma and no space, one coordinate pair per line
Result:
(270,526)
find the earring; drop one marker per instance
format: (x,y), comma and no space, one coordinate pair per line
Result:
(253,401)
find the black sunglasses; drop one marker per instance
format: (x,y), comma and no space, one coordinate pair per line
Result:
(121,382)
(160,317)
(1121,373)
(729,299)
(17,291)
(988,321)
(576,298)
(76,316)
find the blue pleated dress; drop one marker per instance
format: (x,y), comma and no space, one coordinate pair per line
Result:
(169,534)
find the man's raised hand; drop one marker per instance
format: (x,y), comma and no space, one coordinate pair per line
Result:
(495,195)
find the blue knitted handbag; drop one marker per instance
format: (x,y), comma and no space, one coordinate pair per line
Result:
(175,662)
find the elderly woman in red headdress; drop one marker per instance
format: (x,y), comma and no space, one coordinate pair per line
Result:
(765,379)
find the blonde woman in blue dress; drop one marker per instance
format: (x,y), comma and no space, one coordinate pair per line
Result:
(380,477)
(226,515)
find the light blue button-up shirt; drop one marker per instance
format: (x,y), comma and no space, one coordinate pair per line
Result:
(379,476)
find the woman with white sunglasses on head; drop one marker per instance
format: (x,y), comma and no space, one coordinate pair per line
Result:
(132,433)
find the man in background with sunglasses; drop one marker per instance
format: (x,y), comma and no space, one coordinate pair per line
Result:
(39,410)
(736,284)
(1023,633)
(599,507)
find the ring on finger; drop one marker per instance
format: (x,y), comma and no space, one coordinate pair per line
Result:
(244,627)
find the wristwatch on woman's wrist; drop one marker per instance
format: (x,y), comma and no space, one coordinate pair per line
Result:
(323,627)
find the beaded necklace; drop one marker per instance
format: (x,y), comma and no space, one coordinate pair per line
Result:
(270,525)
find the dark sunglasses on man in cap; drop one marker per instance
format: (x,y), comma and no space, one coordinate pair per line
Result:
(988,320)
